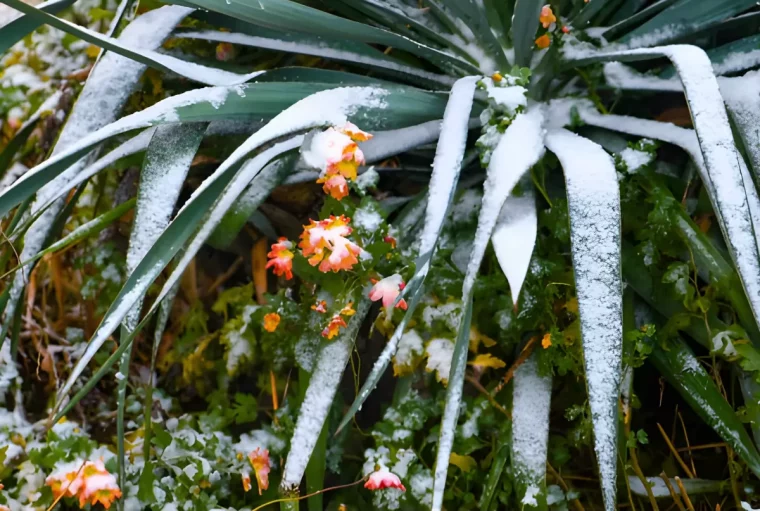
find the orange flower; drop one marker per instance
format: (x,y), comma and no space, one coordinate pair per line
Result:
(335,153)
(565,29)
(543,42)
(261,465)
(330,235)
(348,310)
(333,328)
(271,321)
(390,240)
(320,307)
(281,258)
(335,185)
(546,341)
(388,290)
(89,481)
(547,16)
(246,481)
(225,52)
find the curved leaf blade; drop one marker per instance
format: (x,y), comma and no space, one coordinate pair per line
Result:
(594,210)
(323,386)
(13,32)
(524,26)
(447,165)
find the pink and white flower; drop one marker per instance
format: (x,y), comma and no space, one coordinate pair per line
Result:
(381,479)
(388,290)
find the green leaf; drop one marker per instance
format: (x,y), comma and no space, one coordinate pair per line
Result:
(289,16)
(13,32)
(524,26)
(594,210)
(320,47)
(685,17)
(446,169)
(167,162)
(323,385)
(160,61)
(683,371)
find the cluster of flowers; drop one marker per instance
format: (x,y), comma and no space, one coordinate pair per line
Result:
(89,481)
(549,21)
(325,243)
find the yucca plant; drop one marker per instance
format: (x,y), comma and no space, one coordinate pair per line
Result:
(518,88)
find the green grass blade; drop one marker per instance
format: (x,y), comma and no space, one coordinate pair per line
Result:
(190,70)
(84,231)
(594,210)
(589,10)
(323,385)
(524,26)
(13,32)
(531,400)
(446,168)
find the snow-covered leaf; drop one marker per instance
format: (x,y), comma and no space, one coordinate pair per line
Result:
(514,236)
(721,166)
(447,165)
(203,211)
(109,85)
(323,385)
(16,29)
(190,70)
(167,161)
(517,151)
(531,397)
(683,371)
(594,210)
(335,50)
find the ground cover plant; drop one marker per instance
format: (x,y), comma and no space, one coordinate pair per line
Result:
(380,254)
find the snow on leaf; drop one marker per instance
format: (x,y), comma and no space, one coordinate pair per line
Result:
(531,397)
(594,211)
(105,92)
(447,165)
(320,393)
(723,172)
(310,45)
(514,237)
(518,149)
(223,187)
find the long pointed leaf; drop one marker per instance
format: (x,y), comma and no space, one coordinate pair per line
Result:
(323,385)
(328,107)
(447,165)
(683,371)
(12,32)
(514,237)
(190,70)
(532,394)
(167,161)
(340,51)
(517,151)
(736,205)
(594,210)
(524,26)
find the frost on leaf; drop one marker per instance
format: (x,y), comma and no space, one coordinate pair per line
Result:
(594,210)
